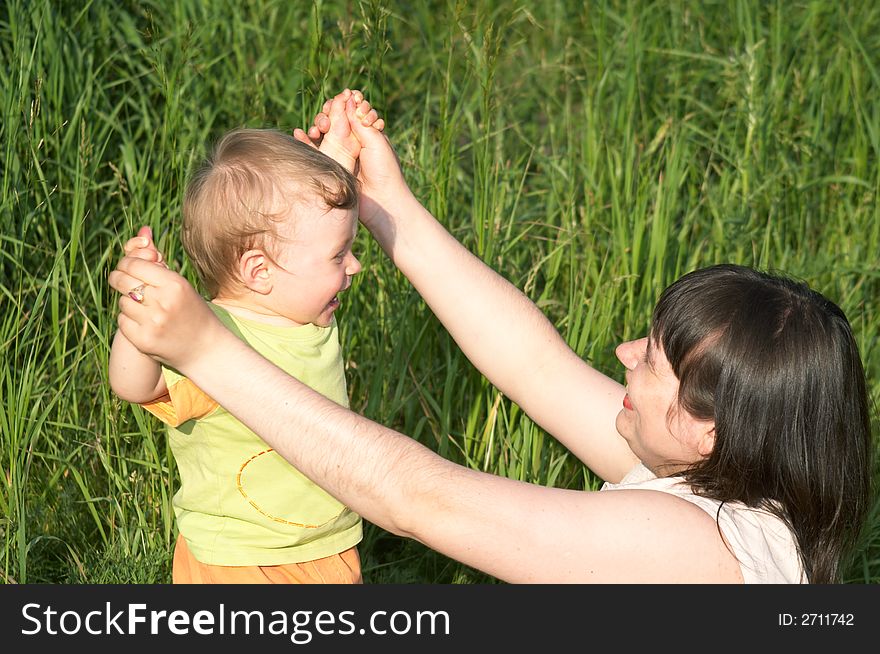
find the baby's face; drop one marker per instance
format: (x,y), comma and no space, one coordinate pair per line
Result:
(314,262)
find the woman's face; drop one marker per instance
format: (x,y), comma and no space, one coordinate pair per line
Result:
(663,435)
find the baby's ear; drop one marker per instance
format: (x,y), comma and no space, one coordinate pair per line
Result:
(255,271)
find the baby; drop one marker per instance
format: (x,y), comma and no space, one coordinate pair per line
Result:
(268,222)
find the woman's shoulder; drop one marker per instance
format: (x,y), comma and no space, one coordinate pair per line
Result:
(761,542)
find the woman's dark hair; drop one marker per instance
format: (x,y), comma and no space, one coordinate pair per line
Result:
(775,365)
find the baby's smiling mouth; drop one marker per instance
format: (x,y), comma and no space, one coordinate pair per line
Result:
(334,303)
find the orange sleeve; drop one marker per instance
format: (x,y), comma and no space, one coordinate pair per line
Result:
(183,401)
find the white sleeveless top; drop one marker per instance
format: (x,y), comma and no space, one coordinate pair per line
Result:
(761,542)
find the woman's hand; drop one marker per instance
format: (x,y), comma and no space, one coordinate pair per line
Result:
(172,322)
(383,188)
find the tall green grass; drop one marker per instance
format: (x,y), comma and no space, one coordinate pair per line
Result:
(590,152)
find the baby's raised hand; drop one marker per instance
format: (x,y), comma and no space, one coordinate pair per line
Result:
(143,247)
(331,131)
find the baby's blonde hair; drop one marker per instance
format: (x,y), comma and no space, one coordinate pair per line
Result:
(231,204)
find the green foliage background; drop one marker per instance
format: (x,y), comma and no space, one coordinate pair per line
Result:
(591,152)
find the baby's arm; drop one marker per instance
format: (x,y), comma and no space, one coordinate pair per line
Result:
(134,376)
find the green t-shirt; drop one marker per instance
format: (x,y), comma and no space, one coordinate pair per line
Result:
(240,502)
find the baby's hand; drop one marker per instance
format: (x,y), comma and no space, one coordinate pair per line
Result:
(332,133)
(142,247)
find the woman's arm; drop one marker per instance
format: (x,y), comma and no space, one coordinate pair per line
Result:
(515,531)
(506,336)
(499,329)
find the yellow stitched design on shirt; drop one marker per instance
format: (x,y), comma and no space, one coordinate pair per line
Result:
(266,513)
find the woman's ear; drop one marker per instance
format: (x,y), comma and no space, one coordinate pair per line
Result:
(706,442)
(255,271)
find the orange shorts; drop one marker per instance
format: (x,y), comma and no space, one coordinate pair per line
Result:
(342,568)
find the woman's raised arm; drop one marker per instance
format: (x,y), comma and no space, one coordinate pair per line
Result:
(499,329)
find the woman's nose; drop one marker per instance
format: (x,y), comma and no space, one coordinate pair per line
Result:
(631,352)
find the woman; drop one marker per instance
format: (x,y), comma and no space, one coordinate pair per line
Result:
(737,452)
